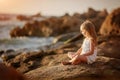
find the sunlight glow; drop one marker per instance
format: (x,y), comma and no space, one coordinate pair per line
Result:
(55,7)
(2,1)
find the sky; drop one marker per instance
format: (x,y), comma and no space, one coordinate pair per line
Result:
(55,7)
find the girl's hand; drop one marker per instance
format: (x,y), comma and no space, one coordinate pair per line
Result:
(84,55)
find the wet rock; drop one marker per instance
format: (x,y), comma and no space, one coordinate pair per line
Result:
(37,15)
(7,56)
(23,18)
(9,51)
(1,52)
(17,32)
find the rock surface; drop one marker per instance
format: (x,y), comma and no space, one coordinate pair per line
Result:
(102,68)
(110,48)
(45,64)
(111,25)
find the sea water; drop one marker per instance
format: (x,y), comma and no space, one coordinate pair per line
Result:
(6,42)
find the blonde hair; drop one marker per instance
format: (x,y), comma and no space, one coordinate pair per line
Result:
(90,28)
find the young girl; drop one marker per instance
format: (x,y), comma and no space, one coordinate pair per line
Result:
(88,52)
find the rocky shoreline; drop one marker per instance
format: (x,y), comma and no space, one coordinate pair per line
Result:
(54,26)
(45,63)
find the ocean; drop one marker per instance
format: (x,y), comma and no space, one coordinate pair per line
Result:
(6,42)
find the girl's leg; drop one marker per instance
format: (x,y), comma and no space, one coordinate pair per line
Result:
(78,59)
(71,54)
(66,63)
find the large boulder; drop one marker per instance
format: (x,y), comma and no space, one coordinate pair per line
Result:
(111,25)
(110,47)
(110,29)
(17,32)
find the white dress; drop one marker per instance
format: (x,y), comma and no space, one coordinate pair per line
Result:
(86,48)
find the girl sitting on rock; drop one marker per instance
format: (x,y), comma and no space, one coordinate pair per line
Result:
(88,51)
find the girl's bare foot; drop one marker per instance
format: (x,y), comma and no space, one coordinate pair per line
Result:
(66,63)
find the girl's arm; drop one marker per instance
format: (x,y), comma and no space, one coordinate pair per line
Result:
(92,47)
(79,51)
